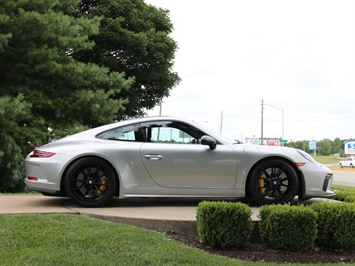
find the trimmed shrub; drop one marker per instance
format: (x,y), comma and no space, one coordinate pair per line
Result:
(224,224)
(336,225)
(342,195)
(289,228)
(350,199)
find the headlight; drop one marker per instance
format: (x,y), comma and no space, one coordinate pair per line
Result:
(306,156)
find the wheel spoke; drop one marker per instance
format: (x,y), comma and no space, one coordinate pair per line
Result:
(86,192)
(282,194)
(276,182)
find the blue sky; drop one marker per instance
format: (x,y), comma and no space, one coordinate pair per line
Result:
(297,56)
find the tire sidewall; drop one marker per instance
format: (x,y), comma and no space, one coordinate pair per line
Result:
(252,184)
(71,173)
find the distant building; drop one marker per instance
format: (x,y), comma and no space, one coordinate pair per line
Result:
(266,141)
(349,147)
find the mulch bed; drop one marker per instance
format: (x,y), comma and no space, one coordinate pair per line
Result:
(260,253)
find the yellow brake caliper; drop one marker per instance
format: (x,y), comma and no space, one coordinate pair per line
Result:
(103,187)
(261,183)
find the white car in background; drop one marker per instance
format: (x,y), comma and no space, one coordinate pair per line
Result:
(347,162)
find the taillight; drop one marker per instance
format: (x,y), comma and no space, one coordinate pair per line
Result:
(41,154)
(32,178)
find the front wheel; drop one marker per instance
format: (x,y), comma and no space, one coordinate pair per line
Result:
(273,181)
(91,182)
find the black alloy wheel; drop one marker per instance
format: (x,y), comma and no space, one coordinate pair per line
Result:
(91,182)
(273,181)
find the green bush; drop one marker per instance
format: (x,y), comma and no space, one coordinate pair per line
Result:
(336,225)
(342,195)
(224,224)
(289,228)
(350,199)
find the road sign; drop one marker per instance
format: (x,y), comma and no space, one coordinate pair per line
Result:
(283,140)
(312,145)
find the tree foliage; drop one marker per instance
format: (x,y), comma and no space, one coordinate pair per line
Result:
(324,147)
(133,38)
(12,112)
(58,77)
(302,145)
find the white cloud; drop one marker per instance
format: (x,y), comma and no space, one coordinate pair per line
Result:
(298,56)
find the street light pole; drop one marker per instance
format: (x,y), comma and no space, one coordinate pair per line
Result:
(220,128)
(283,119)
(262,120)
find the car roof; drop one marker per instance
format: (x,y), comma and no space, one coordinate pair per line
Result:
(94,131)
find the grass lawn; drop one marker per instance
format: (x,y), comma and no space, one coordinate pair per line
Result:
(327,159)
(63,239)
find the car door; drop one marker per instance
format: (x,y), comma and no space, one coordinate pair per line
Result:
(174,158)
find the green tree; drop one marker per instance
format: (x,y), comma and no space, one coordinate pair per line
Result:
(325,147)
(13,111)
(338,146)
(58,92)
(301,144)
(37,62)
(133,38)
(71,65)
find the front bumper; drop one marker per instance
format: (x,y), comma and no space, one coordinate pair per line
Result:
(318,180)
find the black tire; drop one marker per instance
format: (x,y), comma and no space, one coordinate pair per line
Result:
(341,166)
(273,181)
(351,165)
(91,182)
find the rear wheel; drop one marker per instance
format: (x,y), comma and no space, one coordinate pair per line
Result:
(341,166)
(351,165)
(273,181)
(91,182)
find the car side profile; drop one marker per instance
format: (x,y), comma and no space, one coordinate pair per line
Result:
(347,162)
(171,157)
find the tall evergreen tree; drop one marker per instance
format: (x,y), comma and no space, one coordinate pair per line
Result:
(13,113)
(67,65)
(40,75)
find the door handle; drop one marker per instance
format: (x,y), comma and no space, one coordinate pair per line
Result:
(153,157)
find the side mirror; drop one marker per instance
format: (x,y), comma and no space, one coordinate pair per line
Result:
(207,140)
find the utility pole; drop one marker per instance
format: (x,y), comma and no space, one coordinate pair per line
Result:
(220,128)
(161,107)
(262,120)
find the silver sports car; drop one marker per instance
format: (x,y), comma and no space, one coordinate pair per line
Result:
(171,157)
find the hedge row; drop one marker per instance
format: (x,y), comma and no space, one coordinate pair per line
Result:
(284,227)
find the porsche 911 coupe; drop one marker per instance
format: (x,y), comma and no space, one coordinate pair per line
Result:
(171,157)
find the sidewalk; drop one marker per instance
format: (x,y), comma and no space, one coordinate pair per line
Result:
(161,215)
(155,214)
(32,204)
